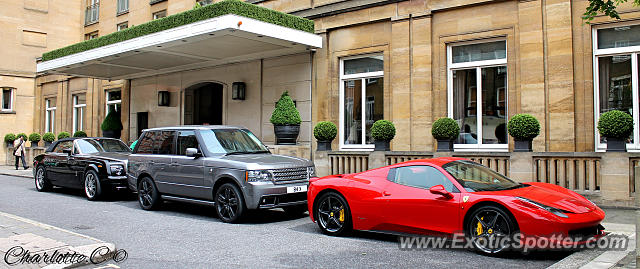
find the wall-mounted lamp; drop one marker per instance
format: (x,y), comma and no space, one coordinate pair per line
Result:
(163,98)
(238,91)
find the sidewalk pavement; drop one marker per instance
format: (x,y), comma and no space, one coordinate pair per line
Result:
(18,235)
(8,170)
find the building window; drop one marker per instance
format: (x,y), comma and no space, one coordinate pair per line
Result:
(204,2)
(79,104)
(50,115)
(114,100)
(91,35)
(477,94)
(7,99)
(123,26)
(160,14)
(92,12)
(123,6)
(616,56)
(361,99)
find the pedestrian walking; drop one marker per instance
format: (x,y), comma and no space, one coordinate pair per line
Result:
(18,151)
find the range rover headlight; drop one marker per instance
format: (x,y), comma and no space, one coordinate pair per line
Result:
(258,176)
(116,169)
(311,171)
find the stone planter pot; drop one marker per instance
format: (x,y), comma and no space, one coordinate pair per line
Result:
(112,133)
(382,145)
(522,146)
(9,144)
(286,134)
(324,146)
(47,144)
(34,144)
(445,145)
(616,145)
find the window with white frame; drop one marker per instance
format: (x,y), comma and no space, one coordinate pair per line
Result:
(361,99)
(79,104)
(477,94)
(123,6)
(50,115)
(7,99)
(160,14)
(616,53)
(114,100)
(122,26)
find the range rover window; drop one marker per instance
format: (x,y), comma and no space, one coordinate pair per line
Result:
(231,141)
(186,139)
(163,142)
(63,145)
(145,145)
(88,146)
(422,176)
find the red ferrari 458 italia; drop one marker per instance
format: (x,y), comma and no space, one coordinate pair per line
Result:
(447,196)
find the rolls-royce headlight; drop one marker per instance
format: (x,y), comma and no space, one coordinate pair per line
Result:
(116,169)
(258,176)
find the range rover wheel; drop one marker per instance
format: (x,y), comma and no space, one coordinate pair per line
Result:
(333,214)
(148,196)
(296,210)
(92,186)
(229,203)
(42,183)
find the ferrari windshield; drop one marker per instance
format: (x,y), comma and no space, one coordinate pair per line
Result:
(475,177)
(88,146)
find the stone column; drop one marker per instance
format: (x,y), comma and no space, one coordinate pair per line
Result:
(521,166)
(377,159)
(614,176)
(321,160)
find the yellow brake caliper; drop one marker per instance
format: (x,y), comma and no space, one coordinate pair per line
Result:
(341,217)
(479,228)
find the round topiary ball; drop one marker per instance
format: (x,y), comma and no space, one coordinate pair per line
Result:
(325,131)
(383,130)
(35,137)
(49,137)
(523,127)
(9,138)
(615,124)
(62,135)
(24,136)
(80,134)
(445,129)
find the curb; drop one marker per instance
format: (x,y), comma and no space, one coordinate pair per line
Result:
(12,175)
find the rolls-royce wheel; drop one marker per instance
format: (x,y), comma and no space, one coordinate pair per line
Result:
(42,183)
(92,187)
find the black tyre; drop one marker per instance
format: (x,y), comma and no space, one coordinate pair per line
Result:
(333,214)
(229,203)
(92,186)
(296,210)
(41,181)
(487,228)
(148,195)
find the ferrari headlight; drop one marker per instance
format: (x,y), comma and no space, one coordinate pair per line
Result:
(116,169)
(258,176)
(311,171)
(555,211)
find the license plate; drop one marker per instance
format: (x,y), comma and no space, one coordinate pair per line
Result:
(295,189)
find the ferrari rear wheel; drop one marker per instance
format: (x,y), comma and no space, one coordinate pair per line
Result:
(333,214)
(490,229)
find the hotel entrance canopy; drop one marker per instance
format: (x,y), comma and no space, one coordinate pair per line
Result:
(226,32)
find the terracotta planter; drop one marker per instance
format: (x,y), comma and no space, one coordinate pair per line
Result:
(522,146)
(286,134)
(616,145)
(382,145)
(445,145)
(324,146)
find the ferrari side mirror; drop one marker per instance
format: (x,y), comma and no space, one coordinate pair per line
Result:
(439,189)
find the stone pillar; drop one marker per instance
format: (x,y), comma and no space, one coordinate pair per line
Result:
(377,159)
(321,160)
(614,176)
(521,166)
(400,85)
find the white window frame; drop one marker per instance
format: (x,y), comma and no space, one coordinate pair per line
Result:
(108,103)
(122,6)
(50,116)
(118,26)
(363,77)
(155,14)
(12,96)
(477,65)
(78,114)
(634,52)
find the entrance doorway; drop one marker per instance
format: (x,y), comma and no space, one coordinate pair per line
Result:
(203,104)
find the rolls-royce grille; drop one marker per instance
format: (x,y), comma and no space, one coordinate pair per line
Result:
(290,174)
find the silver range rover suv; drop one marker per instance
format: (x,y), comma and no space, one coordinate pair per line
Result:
(223,166)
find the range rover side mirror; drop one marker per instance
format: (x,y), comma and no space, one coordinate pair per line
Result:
(193,152)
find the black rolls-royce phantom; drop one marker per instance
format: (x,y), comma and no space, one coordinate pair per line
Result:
(96,165)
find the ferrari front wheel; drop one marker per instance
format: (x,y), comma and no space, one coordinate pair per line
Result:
(490,229)
(333,214)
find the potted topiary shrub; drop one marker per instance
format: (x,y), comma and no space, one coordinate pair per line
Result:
(48,138)
(523,128)
(24,136)
(9,138)
(111,126)
(286,121)
(80,134)
(63,135)
(445,131)
(616,126)
(325,132)
(382,132)
(34,138)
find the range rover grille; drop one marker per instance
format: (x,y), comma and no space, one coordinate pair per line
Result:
(290,174)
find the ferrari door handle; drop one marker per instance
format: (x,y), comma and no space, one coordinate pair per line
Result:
(385,193)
